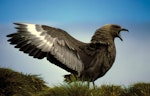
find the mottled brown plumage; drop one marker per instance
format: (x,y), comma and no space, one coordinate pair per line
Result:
(85,61)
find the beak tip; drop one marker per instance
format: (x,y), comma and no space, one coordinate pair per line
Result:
(120,38)
(123,29)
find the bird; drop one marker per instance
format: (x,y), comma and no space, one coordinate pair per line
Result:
(84,61)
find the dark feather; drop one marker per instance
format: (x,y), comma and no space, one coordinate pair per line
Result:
(85,61)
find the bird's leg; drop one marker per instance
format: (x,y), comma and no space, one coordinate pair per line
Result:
(88,83)
(93,84)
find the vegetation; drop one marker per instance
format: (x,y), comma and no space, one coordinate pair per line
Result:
(17,84)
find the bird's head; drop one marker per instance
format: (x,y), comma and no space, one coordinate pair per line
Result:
(114,30)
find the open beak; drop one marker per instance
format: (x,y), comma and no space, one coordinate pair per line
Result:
(123,29)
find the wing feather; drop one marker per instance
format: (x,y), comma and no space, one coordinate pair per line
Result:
(42,41)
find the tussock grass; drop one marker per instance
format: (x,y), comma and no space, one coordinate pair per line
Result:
(81,89)
(17,84)
(139,89)
(109,90)
(70,89)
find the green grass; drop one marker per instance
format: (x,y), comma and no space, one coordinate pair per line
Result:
(139,89)
(17,84)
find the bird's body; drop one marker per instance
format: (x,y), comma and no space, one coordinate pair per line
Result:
(85,61)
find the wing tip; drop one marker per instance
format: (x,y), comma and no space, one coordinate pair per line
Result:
(11,35)
(23,23)
(17,23)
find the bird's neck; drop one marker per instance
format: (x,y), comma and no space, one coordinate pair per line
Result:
(102,38)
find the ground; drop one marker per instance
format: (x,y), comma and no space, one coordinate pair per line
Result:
(13,83)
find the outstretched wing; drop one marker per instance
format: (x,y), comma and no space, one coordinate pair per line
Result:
(42,41)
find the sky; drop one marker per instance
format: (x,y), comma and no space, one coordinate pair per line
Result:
(81,18)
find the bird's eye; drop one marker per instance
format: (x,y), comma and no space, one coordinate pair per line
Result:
(116,26)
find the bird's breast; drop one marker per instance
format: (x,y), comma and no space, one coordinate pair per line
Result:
(98,61)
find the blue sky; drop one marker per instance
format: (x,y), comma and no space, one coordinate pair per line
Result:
(81,18)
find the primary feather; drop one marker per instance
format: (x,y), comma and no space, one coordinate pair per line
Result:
(86,61)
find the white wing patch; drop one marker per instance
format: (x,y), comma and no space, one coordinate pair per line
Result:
(39,37)
(59,48)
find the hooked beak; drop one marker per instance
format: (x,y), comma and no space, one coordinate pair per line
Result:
(123,29)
